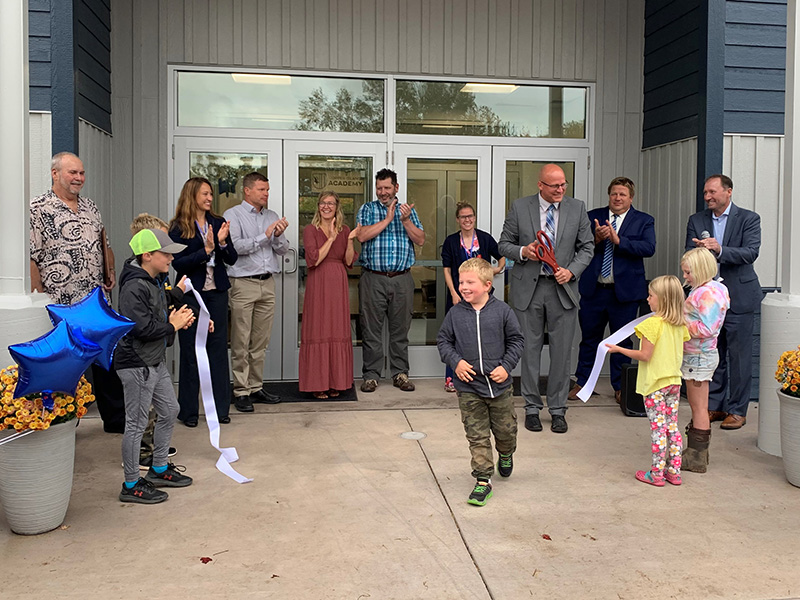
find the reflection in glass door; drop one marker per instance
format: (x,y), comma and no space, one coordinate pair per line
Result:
(435,180)
(310,168)
(225,162)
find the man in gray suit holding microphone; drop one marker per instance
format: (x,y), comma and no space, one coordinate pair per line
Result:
(541,296)
(733,235)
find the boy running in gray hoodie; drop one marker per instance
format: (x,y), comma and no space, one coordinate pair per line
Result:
(481,340)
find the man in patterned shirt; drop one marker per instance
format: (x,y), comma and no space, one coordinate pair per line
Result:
(67,262)
(66,254)
(388,233)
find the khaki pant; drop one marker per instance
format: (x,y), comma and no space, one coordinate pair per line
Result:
(483,417)
(252,304)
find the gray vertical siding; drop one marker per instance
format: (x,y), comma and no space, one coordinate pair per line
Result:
(667,191)
(563,40)
(97,153)
(755,66)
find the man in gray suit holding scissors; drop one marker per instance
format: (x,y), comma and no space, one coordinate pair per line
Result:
(733,235)
(541,296)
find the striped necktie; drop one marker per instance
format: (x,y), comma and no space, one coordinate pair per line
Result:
(608,253)
(550,231)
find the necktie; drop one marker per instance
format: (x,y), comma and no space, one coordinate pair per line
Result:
(550,231)
(608,252)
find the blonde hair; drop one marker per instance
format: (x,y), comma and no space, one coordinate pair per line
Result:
(480,267)
(186,211)
(669,291)
(147,221)
(700,262)
(339,218)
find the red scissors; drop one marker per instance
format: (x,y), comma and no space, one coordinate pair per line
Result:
(545,252)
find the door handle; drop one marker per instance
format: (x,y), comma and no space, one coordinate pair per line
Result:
(287,260)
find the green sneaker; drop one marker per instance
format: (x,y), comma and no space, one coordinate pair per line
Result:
(481,494)
(505,465)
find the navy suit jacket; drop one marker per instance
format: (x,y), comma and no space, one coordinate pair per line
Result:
(740,248)
(193,261)
(637,241)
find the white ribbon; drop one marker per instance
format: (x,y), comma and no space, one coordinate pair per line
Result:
(615,338)
(227,455)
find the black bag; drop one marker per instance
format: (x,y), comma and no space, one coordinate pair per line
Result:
(631,403)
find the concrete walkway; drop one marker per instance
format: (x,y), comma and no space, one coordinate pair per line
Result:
(341,507)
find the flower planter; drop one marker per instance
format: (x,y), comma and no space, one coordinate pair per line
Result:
(790,436)
(36,478)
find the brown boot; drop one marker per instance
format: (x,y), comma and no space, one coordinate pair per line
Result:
(695,456)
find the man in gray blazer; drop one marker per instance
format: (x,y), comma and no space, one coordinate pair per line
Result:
(540,297)
(733,234)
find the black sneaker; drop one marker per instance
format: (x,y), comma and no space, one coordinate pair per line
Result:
(559,424)
(172,452)
(505,465)
(169,478)
(533,423)
(481,493)
(143,492)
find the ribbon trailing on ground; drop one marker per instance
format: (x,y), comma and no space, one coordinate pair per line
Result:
(227,455)
(615,338)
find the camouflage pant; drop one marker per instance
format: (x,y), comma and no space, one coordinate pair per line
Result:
(482,417)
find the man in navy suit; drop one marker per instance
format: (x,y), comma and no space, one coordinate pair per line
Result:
(614,284)
(733,234)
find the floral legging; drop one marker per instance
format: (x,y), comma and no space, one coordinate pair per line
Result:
(662,410)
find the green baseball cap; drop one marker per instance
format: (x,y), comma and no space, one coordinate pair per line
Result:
(154,240)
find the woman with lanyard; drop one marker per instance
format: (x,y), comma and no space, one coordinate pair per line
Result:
(208,248)
(466,243)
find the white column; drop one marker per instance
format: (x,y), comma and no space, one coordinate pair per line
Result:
(22,317)
(780,313)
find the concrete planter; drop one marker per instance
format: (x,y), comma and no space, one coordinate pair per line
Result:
(36,478)
(790,436)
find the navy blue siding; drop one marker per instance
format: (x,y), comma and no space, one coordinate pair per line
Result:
(672,63)
(755,66)
(39,50)
(93,62)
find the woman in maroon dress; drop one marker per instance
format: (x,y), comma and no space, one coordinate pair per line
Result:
(326,350)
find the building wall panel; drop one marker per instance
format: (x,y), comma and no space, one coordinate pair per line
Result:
(667,191)
(511,39)
(755,162)
(40,152)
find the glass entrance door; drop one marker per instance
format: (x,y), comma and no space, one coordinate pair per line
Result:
(310,168)
(224,162)
(515,173)
(435,179)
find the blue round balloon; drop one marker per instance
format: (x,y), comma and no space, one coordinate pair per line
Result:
(98,323)
(53,362)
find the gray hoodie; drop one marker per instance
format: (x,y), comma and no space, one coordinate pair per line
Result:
(484,338)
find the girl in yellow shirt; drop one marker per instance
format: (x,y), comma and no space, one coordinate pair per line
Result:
(659,377)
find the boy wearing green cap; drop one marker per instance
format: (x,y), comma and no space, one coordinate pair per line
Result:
(140,360)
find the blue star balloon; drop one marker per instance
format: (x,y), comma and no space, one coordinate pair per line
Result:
(53,362)
(98,323)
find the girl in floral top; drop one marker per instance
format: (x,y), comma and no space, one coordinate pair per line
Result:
(704,310)
(659,376)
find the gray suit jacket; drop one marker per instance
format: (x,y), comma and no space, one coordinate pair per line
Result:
(739,251)
(574,246)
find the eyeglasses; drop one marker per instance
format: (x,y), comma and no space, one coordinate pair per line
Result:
(327,204)
(555,186)
(466,217)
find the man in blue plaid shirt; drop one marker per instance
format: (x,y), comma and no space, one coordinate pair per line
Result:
(388,231)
